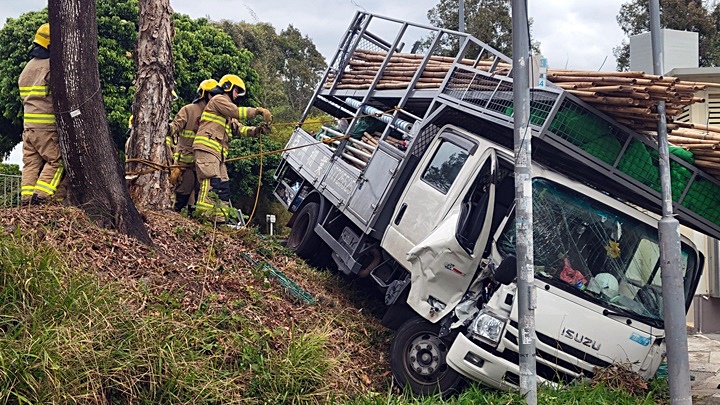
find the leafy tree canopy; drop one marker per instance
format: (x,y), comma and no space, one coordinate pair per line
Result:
(200,50)
(686,15)
(289,65)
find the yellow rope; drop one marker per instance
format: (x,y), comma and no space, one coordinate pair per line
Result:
(257,192)
(159,166)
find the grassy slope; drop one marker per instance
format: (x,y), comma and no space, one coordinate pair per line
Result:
(90,316)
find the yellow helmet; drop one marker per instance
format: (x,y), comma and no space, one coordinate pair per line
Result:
(228,81)
(42,36)
(203,88)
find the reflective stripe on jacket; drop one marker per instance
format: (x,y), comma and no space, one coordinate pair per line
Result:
(185,125)
(214,132)
(34,83)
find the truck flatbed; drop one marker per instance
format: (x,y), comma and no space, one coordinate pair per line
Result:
(569,134)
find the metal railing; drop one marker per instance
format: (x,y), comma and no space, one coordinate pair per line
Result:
(10,186)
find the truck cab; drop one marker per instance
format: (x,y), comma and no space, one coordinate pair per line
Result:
(413,186)
(597,273)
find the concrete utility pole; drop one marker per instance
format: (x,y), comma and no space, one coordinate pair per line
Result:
(670,251)
(461,15)
(526,294)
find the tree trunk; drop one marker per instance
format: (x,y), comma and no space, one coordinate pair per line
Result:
(96,175)
(151,107)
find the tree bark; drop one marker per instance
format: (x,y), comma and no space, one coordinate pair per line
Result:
(96,175)
(151,107)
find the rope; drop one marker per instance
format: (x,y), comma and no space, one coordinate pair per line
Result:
(257,193)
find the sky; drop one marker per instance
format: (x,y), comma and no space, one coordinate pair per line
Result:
(575,34)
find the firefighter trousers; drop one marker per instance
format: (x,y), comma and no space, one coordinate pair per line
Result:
(42,164)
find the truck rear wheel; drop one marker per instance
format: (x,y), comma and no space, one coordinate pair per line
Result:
(417,360)
(302,239)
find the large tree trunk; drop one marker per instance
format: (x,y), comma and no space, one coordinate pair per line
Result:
(151,108)
(96,175)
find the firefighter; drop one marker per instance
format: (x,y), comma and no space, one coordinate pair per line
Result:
(43,167)
(212,142)
(184,126)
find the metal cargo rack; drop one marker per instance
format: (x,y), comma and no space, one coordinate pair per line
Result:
(569,135)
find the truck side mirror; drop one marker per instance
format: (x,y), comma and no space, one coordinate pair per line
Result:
(507,270)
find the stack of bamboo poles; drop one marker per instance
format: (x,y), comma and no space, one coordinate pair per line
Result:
(629,97)
(364,65)
(702,140)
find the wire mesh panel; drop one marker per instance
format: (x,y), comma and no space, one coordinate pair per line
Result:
(495,93)
(10,186)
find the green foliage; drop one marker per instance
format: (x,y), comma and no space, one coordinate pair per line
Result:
(66,339)
(10,169)
(289,375)
(488,20)
(583,393)
(244,174)
(200,51)
(289,66)
(685,15)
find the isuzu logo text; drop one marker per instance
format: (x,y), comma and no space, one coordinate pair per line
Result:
(584,340)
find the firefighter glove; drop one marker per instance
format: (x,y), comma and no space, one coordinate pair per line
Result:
(235,127)
(254,132)
(264,129)
(265,113)
(175,175)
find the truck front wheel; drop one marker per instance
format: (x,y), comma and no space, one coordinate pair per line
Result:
(417,360)
(302,239)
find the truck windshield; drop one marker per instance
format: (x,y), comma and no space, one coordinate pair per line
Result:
(597,252)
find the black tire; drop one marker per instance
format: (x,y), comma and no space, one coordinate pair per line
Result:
(302,239)
(417,360)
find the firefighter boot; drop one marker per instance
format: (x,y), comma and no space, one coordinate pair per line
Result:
(37,200)
(181,200)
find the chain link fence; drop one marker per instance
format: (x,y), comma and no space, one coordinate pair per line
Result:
(10,186)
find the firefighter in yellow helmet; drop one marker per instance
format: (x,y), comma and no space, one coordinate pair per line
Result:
(212,143)
(183,128)
(42,163)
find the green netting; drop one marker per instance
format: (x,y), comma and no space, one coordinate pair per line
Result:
(289,285)
(366,124)
(538,113)
(704,199)
(606,148)
(595,136)
(579,127)
(637,162)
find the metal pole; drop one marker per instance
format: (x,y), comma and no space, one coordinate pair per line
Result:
(461,15)
(670,251)
(526,294)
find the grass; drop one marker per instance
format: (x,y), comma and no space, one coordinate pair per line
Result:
(67,338)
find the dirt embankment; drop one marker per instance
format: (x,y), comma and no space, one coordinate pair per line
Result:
(208,266)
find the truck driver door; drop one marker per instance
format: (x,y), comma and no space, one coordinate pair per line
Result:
(439,226)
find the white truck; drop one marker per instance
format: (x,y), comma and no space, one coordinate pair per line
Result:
(420,198)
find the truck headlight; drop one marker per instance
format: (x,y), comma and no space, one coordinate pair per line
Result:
(488,327)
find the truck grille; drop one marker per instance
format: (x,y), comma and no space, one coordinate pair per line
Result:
(565,370)
(550,367)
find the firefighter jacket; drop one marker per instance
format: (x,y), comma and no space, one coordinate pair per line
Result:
(34,83)
(184,126)
(215,130)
